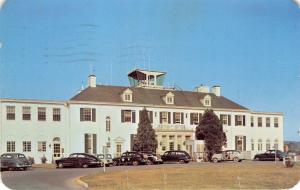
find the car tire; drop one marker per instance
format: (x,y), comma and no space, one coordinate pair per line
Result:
(135,163)
(85,165)
(215,160)
(256,159)
(181,161)
(149,162)
(115,163)
(60,165)
(236,159)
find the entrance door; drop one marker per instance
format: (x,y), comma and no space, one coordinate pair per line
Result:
(240,143)
(56,148)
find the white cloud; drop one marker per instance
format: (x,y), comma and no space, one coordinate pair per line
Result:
(297,2)
(2,3)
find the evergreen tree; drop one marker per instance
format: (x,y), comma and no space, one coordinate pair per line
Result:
(210,129)
(145,139)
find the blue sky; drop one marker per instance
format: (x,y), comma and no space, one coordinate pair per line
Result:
(251,48)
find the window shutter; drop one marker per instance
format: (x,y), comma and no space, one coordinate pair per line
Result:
(169,117)
(86,138)
(160,117)
(173,117)
(236,117)
(122,116)
(81,114)
(244,120)
(133,116)
(244,143)
(151,116)
(94,144)
(182,118)
(229,120)
(140,115)
(94,114)
(191,118)
(236,140)
(200,117)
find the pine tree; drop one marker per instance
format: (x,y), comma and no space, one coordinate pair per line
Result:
(145,139)
(210,129)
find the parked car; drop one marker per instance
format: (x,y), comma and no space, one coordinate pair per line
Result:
(14,161)
(176,156)
(152,157)
(78,160)
(227,155)
(269,155)
(130,158)
(105,159)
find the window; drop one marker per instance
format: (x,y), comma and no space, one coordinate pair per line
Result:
(171,145)
(259,121)
(164,142)
(119,149)
(268,122)
(268,145)
(259,144)
(177,117)
(41,146)
(207,101)
(127,116)
(90,143)
(56,114)
(252,144)
(195,118)
(169,98)
(252,121)
(127,95)
(10,112)
(276,122)
(171,137)
(88,114)
(276,144)
(107,124)
(178,146)
(225,119)
(240,120)
(26,146)
(165,117)
(26,114)
(42,114)
(10,146)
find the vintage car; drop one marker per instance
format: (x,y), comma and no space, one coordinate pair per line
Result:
(269,155)
(14,161)
(176,156)
(79,160)
(130,158)
(227,155)
(152,157)
(105,159)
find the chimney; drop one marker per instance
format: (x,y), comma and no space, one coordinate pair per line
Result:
(216,90)
(92,81)
(202,89)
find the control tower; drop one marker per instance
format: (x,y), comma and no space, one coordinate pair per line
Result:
(146,79)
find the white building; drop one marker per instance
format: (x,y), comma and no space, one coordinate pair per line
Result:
(105,118)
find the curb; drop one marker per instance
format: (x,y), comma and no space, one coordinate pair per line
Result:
(81,183)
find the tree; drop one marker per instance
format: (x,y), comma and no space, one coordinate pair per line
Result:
(210,129)
(145,139)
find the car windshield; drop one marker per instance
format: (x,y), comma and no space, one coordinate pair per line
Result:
(20,156)
(108,156)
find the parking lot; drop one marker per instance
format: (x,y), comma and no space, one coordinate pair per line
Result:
(59,179)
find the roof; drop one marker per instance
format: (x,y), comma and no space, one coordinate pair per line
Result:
(146,96)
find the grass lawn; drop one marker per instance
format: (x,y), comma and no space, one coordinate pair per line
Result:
(252,175)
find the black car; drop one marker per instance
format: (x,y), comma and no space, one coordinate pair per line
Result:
(152,157)
(269,155)
(176,156)
(130,158)
(78,160)
(14,161)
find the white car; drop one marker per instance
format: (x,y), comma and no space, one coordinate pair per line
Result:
(227,155)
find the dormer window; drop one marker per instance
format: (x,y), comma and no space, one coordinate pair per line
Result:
(169,98)
(206,101)
(127,95)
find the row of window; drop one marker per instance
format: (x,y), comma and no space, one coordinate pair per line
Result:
(267,147)
(267,121)
(11,146)
(26,113)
